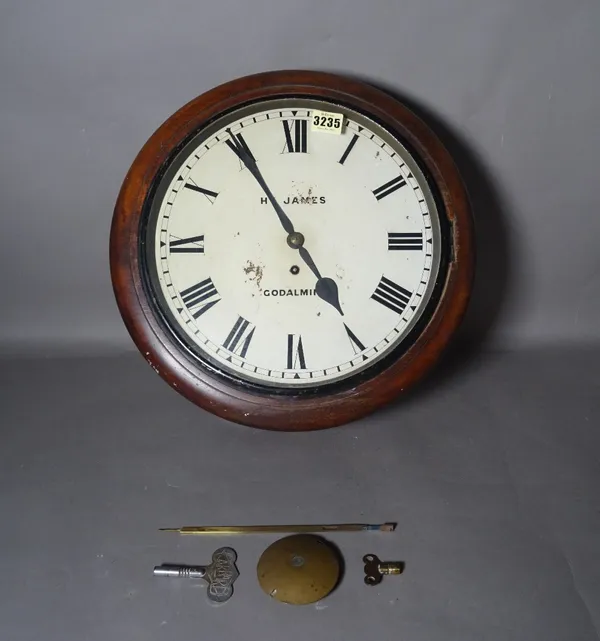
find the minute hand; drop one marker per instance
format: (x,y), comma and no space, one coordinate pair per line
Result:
(325,288)
(248,159)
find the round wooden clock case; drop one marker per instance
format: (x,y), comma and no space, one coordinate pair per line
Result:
(292,250)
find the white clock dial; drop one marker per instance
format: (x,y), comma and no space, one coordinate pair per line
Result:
(293,257)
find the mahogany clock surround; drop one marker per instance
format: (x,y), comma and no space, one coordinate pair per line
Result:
(304,408)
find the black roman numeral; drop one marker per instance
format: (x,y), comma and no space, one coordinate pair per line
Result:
(349,148)
(391,295)
(240,148)
(204,294)
(295,136)
(192,245)
(238,339)
(295,352)
(411,241)
(211,195)
(357,346)
(389,187)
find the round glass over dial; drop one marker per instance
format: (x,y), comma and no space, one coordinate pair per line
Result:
(288,255)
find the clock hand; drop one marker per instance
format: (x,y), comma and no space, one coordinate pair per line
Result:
(306,257)
(325,288)
(244,154)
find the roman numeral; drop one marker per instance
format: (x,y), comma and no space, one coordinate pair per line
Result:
(238,339)
(204,294)
(389,187)
(240,148)
(211,195)
(410,241)
(357,346)
(295,135)
(295,352)
(349,148)
(391,295)
(191,245)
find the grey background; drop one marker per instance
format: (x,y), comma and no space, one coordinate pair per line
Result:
(491,468)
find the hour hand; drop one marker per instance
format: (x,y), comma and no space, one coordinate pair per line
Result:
(326,288)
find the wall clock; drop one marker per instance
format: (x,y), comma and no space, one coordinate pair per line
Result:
(292,250)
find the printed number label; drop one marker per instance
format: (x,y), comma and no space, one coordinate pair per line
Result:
(326,121)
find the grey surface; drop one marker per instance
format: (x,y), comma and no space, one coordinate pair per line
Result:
(512,85)
(493,481)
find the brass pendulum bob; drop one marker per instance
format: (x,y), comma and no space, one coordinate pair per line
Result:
(299,569)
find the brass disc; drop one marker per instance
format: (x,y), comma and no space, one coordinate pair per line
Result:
(299,569)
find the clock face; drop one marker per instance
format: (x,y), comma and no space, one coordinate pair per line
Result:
(286,256)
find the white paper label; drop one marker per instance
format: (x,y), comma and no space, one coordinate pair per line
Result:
(327,121)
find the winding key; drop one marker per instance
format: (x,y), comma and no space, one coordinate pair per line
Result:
(376,569)
(220,574)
